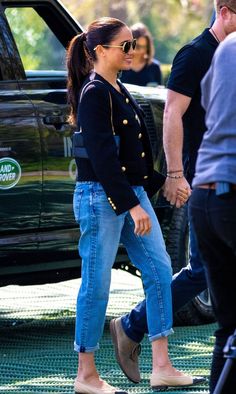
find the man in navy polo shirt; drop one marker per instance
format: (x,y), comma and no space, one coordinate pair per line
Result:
(184,127)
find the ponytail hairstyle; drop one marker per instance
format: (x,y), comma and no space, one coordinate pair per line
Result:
(81,56)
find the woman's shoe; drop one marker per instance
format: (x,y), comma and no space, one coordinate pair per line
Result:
(162,382)
(84,388)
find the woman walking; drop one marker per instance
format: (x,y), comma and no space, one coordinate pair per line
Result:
(110,203)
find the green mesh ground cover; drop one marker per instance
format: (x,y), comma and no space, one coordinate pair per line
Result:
(37,331)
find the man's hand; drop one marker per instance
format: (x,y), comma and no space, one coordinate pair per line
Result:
(173,135)
(176,191)
(141,220)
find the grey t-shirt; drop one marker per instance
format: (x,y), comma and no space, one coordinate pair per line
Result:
(217,154)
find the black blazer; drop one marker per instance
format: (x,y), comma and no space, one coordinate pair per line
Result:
(134,165)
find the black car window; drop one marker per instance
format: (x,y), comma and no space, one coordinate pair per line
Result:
(38,46)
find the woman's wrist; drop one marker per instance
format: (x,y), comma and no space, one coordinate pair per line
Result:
(131,209)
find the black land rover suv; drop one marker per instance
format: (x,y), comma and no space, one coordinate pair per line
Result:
(38,234)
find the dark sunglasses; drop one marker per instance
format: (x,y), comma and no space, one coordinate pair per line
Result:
(126,46)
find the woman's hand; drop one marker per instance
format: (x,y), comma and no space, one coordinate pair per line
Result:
(174,191)
(141,220)
(182,196)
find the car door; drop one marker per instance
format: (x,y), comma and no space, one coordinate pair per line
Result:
(20,156)
(43,58)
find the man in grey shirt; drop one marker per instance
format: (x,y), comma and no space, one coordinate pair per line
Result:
(213,201)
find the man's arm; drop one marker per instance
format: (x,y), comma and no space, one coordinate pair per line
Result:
(176,106)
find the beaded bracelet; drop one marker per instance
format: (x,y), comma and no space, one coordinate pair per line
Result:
(175,176)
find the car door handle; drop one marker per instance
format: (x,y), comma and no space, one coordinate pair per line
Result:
(59,122)
(54,119)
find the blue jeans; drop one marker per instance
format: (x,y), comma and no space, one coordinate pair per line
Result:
(186,284)
(214,220)
(101,232)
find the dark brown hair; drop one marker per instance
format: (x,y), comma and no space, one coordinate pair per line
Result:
(140,30)
(228,3)
(81,56)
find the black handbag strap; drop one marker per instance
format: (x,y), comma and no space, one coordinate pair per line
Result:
(82,91)
(79,151)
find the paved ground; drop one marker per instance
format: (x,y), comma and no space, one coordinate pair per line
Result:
(36,339)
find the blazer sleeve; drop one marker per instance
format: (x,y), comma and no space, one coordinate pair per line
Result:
(155,183)
(95,122)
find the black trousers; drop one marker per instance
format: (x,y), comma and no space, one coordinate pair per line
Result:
(214,220)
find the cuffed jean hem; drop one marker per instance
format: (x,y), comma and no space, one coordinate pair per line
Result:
(82,349)
(161,335)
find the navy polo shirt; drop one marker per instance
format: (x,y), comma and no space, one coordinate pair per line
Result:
(189,67)
(150,74)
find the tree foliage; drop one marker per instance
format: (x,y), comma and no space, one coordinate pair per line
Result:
(172,22)
(37,45)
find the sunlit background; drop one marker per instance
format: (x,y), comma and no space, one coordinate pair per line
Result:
(172,22)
